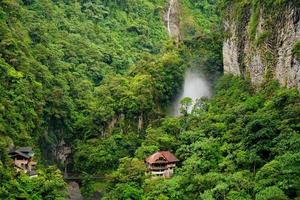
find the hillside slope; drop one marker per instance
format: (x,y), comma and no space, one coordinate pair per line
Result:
(77,70)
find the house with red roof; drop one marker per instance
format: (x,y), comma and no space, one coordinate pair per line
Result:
(161,163)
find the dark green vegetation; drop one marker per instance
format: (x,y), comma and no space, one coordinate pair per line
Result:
(296,49)
(60,60)
(68,69)
(99,74)
(202,34)
(48,185)
(241,144)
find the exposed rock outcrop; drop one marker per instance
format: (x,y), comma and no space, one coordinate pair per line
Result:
(74,191)
(171,19)
(267,54)
(288,67)
(230,50)
(62,152)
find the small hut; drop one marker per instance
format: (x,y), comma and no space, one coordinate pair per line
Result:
(23,160)
(161,163)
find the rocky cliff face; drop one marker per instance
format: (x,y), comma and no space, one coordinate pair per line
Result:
(259,43)
(171,19)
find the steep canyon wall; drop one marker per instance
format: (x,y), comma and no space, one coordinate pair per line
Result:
(260,42)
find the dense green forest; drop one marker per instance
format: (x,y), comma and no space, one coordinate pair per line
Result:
(241,144)
(100,74)
(69,68)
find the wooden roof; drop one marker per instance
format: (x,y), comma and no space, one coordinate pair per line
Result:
(161,157)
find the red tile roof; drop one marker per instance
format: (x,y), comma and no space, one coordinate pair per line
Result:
(161,157)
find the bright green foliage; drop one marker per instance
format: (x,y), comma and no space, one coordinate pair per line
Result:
(130,170)
(236,146)
(78,70)
(54,55)
(164,189)
(186,103)
(124,191)
(202,33)
(99,75)
(128,179)
(48,185)
(296,49)
(96,156)
(243,145)
(253,23)
(273,193)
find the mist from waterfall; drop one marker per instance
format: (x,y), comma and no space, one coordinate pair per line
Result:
(195,86)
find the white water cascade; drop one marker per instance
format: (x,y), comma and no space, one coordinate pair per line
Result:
(195,86)
(172,20)
(168,16)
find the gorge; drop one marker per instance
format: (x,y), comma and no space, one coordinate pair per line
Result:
(87,84)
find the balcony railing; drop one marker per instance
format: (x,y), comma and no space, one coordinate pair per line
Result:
(165,167)
(157,167)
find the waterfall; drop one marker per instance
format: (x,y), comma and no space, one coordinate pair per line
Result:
(171,19)
(168,16)
(195,86)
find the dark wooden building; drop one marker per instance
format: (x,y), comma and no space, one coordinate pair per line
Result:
(22,158)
